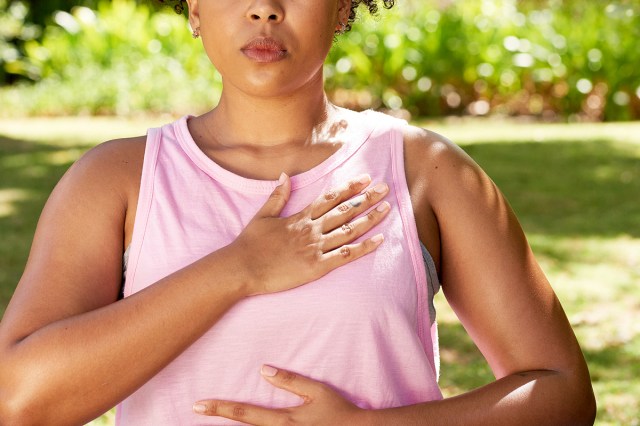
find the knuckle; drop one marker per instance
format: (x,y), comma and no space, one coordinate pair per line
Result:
(276,196)
(368,195)
(353,186)
(343,208)
(347,228)
(239,411)
(345,252)
(306,229)
(371,216)
(313,257)
(331,195)
(289,377)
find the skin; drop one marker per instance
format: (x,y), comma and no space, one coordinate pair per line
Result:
(64,337)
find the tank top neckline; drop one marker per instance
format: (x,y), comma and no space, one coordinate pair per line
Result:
(353,137)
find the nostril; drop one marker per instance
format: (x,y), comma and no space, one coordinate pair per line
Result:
(255,17)
(273,17)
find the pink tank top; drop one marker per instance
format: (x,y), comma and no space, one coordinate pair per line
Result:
(363,328)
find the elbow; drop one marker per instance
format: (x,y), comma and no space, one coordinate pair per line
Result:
(583,402)
(15,413)
(589,407)
(19,405)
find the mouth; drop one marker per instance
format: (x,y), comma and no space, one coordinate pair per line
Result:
(264,50)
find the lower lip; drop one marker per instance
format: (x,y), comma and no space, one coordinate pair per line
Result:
(265,55)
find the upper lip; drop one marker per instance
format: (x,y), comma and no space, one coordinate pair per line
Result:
(265,43)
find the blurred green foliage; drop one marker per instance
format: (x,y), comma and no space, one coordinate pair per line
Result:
(15,31)
(119,59)
(541,58)
(544,58)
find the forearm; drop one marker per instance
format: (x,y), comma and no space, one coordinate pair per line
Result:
(83,365)
(529,398)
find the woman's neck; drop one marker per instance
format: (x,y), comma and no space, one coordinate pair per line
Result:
(246,121)
(258,137)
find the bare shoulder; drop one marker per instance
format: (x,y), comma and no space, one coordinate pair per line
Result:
(434,162)
(114,162)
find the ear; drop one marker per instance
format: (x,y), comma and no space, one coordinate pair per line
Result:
(344,10)
(194,14)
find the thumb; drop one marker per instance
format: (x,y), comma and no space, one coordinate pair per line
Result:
(278,198)
(291,382)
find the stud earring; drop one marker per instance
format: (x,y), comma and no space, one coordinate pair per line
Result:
(196,33)
(342,29)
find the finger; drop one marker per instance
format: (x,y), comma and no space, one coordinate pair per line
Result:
(349,252)
(277,200)
(245,413)
(349,232)
(349,209)
(302,386)
(335,196)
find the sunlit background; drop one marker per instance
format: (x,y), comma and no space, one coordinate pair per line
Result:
(553,60)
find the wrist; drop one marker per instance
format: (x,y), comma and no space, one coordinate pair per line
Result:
(365,417)
(239,266)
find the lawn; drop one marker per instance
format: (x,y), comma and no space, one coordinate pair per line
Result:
(575,188)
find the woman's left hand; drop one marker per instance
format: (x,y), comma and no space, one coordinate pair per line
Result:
(321,404)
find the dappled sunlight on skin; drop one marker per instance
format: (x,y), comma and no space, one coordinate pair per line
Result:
(592,265)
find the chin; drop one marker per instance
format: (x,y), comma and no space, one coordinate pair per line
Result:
(270,86)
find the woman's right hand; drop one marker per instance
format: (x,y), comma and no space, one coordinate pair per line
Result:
(280,253)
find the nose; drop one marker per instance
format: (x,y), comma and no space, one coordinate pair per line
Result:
(265,11)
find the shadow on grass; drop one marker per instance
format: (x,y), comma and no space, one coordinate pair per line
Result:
(462,366)
(613,369)
(586,189)
(28,173)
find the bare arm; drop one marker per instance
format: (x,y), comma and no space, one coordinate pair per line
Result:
(495,286)
(67,347)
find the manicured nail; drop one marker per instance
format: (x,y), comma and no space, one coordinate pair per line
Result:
(268,371)
(383,207)
(380,188)
(377,239)
(199,408)
(364,179)
(283,178)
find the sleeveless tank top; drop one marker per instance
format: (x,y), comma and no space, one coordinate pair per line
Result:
(363,328)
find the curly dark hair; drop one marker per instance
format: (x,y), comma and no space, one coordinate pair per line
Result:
(372,5)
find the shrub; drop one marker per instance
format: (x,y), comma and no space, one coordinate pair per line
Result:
(14,33)
(540,58)
(119,59)
(543,58)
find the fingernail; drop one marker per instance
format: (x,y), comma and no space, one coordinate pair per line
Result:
(283,178)
(199,408)
(380,188)
(377,239)
(383,207)
(364,179)
(268,371)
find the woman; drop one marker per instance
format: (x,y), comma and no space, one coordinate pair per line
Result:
(219,240)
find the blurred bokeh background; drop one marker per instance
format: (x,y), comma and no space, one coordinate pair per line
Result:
(543,94)
(548,59)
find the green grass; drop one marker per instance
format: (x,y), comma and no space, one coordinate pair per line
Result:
(575,188)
